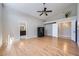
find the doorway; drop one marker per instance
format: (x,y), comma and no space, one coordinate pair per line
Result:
(22,31)
(64,30)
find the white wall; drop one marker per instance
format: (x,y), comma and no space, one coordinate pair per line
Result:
(51,30)
(61,15)
(55,30)
(0,24)
(15,18)
(48,29)
(68,33)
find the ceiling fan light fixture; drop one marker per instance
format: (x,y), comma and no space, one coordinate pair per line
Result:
(44,11)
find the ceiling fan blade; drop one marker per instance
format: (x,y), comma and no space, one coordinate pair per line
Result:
(49,11)
(46,14)
(41,13)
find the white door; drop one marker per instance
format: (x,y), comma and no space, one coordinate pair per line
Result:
(55,30)
(73,30)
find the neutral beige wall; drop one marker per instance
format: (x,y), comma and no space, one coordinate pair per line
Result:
(65,30)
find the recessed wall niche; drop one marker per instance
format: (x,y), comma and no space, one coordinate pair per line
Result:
(22,29)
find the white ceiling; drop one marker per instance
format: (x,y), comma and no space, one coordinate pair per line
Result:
(32,8)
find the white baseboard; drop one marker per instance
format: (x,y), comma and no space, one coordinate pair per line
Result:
(65,37)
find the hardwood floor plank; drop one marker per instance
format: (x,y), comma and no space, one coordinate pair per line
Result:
(44,46)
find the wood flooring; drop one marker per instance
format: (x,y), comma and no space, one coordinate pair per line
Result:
(44,46)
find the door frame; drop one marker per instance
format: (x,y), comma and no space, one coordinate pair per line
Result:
(76,31)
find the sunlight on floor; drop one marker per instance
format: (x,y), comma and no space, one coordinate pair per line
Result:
(65,47)
(10,41)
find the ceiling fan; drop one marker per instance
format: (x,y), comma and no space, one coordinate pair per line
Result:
(44,11)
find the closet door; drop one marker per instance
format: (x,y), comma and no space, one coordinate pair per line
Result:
(55,30)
